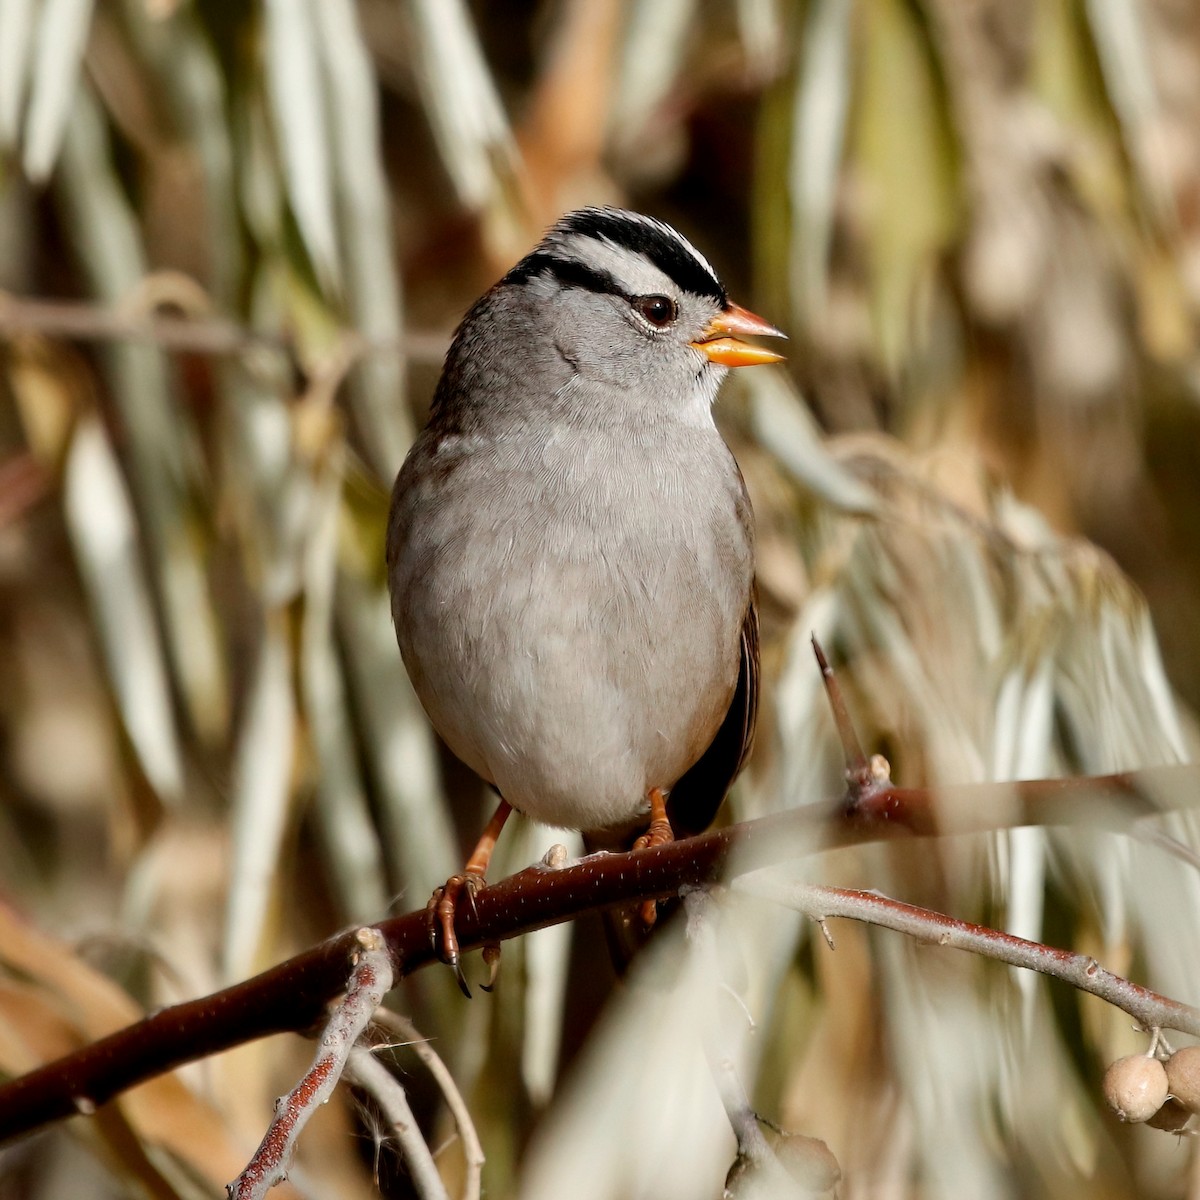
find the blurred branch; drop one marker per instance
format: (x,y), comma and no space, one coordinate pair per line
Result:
(291,997)
(23,482)
(373,1077)
(757,1172)
(82,322)
(760,1172)
(472,1148)
(370,981)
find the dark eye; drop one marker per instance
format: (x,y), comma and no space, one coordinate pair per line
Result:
(658,310)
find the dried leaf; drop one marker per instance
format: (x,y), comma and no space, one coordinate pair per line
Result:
(101,522)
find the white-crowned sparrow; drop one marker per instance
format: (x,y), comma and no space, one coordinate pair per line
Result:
(571,546)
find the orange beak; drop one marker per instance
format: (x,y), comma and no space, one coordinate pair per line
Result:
(719,342)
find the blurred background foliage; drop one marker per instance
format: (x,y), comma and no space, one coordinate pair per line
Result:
(234,239)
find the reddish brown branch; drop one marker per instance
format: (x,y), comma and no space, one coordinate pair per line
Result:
(856,760)
(1150,1009)
(292,996)
(866,778)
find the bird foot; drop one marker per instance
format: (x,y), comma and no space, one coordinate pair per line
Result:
(658,834)
(439,915)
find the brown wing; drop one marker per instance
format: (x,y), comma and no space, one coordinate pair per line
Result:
(695,798)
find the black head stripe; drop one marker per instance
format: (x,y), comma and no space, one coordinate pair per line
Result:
(567,271)
(657,243)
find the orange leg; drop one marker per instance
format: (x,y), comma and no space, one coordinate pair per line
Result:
(658,834)
(443,904)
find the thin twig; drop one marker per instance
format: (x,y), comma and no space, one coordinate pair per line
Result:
(754,1151)
(372,1076)
(1151,1010)
(856,760)
(866,777)
(1161,840)
(753,1147)
(82,322)
(472,1147)
(370,981)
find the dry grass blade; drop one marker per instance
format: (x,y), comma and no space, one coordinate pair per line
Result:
(16,36)
(365,225)
(535,989)
(184,63)
(470,125)
(297,94)
(262,793)
(547,993)
(58,59)
(605,1136)
(760,23)
(161,440)
(1119,34)
(656,40)
(784,426)
(349,835)
(418,840)
(903,152)
(101,520)
(823,89)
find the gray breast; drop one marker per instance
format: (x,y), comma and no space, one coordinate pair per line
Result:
(569,603)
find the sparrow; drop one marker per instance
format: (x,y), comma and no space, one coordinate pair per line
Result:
(570,544)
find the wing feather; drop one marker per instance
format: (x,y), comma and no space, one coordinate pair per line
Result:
(695,798)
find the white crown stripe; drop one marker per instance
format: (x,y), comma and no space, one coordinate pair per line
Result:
(618,231)
(663,227)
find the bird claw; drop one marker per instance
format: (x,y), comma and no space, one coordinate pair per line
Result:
(491,956)
(461,978)
(440,913)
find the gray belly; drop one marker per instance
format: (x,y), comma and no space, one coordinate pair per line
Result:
(572,631)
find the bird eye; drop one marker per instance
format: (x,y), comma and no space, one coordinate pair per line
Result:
(658,310)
